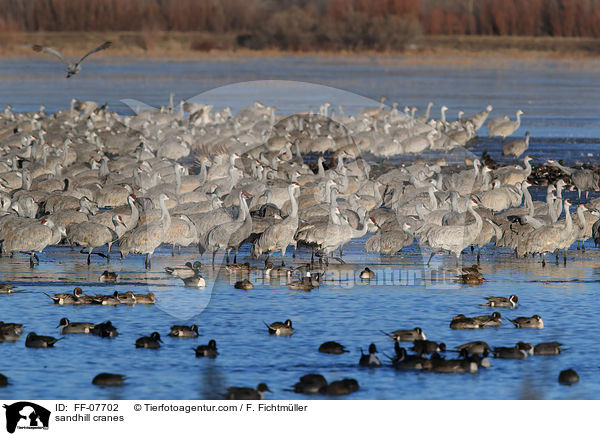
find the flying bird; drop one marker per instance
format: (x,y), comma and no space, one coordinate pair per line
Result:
(72,68)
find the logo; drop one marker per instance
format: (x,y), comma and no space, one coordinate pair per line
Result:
(26,415)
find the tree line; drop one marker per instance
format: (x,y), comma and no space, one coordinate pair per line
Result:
(310,24)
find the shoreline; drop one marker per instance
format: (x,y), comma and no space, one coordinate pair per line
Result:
(465,50)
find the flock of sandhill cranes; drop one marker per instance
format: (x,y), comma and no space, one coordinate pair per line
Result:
(90,177)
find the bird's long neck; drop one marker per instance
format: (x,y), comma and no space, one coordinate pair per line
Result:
(454,201)
(552,210)
(242,214)
(581,216)
(564,169)
(568,219)
(332,207)
(340,163)
(558,205)
(478,220)
(321,169)
(432,199)
(377,194)
(165,218)
(527,168)
(298,154)
(362,231)
(485,180)
(528,200)
(203,173)
(293,202)
(135,213)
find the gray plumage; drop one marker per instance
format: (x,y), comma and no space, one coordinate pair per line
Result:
(72,67)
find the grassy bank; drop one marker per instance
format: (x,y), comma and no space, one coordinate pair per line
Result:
(195,44)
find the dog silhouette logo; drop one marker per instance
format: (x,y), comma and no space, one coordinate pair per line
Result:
(26,415)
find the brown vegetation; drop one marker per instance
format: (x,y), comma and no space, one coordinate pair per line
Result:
(302,25)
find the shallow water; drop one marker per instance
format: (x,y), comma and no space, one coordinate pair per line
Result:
(559,103)
(344,309)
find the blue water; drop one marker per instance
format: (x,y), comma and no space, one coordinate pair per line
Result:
(561,113)
(343,309)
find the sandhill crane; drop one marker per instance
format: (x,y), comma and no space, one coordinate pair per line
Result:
(505,127)
(238,237)
(479,118)
(390,242)
(501,197)
(146,238)
(315,231)
(423,118)
(280,234)
(512,175)
(489,231)
(516,148)
(129,219)
(584,223)
(181,233)
(344,234)
(453,238)
(32,238)
(91,235)
(549,238)
(72,68)
(218,238)
(583,179)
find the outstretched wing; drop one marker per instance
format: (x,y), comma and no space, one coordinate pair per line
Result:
(100,47)
(40,48)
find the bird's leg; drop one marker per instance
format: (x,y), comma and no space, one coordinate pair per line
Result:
(478,253)
(89,254)
(172,250)
(283,255)
(31,263)
(472,248)
(213,259)
(577,245)
(179,249)
(341,248)
(556,254)
(235,256)
(227,251)
(543,260)
(583,246)
(430,258)
(565,256)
